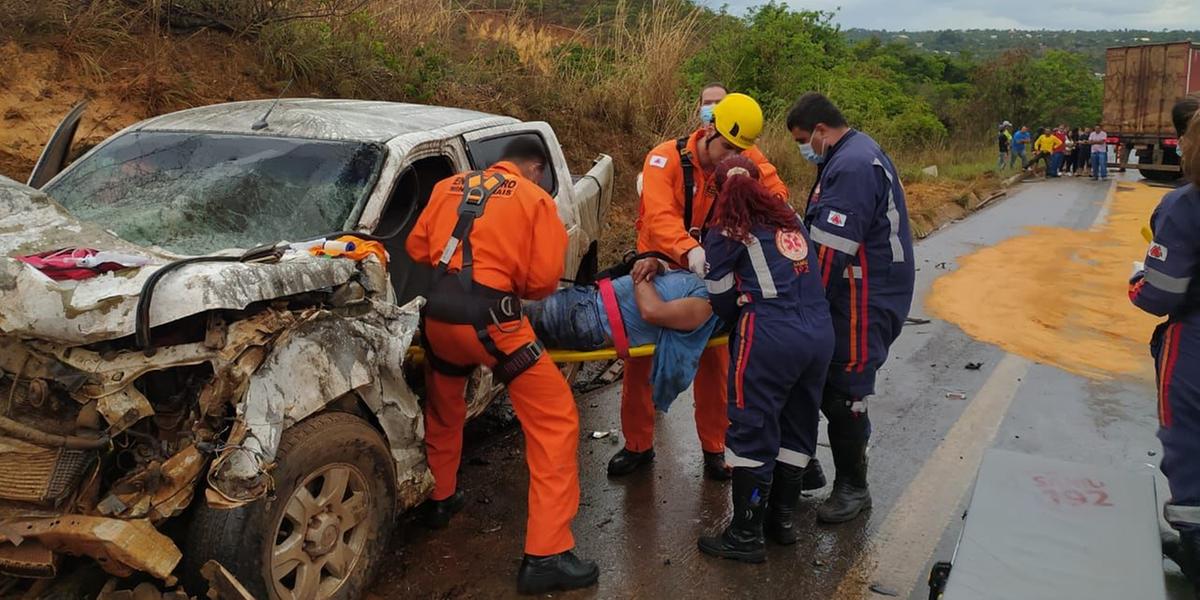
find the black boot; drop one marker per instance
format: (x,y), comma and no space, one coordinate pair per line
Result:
(743,537)
(785,494)
(628,461)
(563,571)
(715,467)
(850,496)
(438,512)
(1188,558)
(814,477)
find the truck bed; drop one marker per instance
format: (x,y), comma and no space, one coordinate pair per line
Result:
(1141,85)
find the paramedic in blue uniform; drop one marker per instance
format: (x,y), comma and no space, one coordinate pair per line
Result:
(859,225)
(762,280)
(1168,285)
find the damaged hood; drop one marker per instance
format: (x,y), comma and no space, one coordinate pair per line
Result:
(104,307)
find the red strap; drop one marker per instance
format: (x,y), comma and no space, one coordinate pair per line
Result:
(608,298)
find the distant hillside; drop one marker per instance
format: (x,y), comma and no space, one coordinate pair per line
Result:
(986,43)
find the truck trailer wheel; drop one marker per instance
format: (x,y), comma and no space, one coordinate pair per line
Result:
(1169,158)
(323,532)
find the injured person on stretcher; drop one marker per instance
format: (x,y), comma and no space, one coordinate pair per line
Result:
(667,308)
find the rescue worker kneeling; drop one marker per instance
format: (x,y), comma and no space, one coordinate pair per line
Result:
(760,279)
(494,237)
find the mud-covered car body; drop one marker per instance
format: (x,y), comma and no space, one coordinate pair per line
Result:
(129,396)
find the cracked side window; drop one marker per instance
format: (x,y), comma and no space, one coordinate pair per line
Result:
(197,193)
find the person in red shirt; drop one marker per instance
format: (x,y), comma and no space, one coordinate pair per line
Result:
(494,238)
(1060,147)
(678,191)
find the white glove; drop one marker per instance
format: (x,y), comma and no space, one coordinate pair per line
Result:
(696,261)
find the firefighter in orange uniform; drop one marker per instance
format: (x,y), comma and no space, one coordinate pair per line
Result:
(677,195)
(494,238)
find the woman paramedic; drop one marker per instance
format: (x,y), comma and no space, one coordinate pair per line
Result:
(1168,285)
(760,280)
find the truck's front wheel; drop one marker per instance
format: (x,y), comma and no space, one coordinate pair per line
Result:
(323,532)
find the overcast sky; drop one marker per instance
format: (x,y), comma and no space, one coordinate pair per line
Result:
(916,15)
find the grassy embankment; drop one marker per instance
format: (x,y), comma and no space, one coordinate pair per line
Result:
(617,85)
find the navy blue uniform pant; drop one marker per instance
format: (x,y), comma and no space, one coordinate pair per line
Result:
(1176,350)
(779,361)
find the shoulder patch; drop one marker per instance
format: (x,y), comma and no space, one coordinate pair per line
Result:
(792,245)
(658,161)
(1157,251)
(836,219)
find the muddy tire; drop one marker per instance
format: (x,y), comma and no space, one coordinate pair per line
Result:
(325,529)
(1169,158)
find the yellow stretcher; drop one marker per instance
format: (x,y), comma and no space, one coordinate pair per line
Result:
(416,354)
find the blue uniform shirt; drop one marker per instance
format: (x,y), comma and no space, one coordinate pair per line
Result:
(858,219)
(771,271)
(1168,285)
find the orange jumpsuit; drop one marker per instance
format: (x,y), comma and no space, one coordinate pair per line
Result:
(660,228)
(518,244)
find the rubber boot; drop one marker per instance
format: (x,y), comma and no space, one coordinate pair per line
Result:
(715,467)
(850,496)
(786,485)
(814,477)
(743,539)
(562,571)
(438,512)
(1189,558)
(627,461)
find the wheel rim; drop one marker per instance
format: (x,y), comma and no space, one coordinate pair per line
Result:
(320,537)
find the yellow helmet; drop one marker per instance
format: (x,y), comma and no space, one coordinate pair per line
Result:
(738,119)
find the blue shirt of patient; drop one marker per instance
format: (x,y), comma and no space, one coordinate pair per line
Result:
(677,353)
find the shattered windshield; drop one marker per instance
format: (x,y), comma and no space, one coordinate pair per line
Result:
(197,193)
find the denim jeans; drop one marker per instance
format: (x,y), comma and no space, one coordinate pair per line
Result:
(1055,164)
(1002,160)
(1099,165)
(1017,154)
(569,319)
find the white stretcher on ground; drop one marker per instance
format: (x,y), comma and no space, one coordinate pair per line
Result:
(1044,528)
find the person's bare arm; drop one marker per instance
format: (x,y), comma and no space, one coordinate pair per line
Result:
(684,314)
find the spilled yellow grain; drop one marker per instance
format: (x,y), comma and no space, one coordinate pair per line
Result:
(1059,296)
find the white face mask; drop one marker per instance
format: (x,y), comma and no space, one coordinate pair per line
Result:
(809,153)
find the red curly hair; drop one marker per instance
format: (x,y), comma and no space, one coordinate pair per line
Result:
(744,203)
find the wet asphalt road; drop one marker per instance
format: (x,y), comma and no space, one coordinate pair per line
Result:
(642,529)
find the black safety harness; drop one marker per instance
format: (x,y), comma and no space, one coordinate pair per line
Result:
(456,298)
(689,190)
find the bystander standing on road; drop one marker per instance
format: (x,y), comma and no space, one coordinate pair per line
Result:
(1020,141)
(1065,150)
(1099,146)
(1004,142)
(1083,151)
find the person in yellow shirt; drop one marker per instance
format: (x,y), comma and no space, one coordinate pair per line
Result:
(1042,150)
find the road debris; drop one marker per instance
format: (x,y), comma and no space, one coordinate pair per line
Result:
(883,591)
(916,321)
(956,395)
(973,366)
(599,435)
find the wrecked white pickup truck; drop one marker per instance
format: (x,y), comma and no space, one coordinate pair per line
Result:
(212,403)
